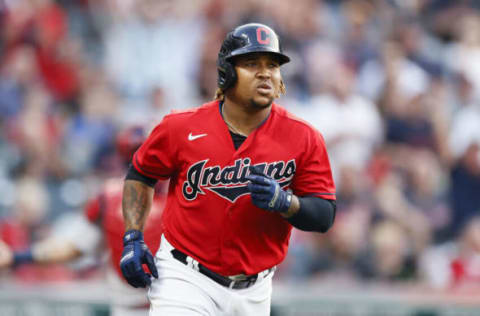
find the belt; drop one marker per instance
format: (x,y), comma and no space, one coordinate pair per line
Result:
(232,282)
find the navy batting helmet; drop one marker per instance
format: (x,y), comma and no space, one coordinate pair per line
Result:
(246,39)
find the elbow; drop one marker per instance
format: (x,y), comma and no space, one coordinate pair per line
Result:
(326,227)
(320,227)
(328,224)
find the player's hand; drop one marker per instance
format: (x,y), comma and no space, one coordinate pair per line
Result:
(267,194)
(6,255)
(135,253)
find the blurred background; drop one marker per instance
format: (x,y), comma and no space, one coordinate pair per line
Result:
(393,85)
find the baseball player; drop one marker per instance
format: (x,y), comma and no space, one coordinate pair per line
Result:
(100,224)
(242,172)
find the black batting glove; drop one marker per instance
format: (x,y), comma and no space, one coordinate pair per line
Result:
(267,194)
(135,253)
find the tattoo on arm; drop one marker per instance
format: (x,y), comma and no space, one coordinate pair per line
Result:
(136,203)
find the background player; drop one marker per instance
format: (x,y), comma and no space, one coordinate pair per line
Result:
(100,225)
(243,171)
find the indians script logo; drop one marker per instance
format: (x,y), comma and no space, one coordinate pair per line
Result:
(230,182)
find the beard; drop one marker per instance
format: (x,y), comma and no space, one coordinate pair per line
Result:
(258,105)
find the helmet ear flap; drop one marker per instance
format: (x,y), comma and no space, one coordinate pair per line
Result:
(227,76)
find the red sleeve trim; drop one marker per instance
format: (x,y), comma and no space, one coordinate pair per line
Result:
(147,173)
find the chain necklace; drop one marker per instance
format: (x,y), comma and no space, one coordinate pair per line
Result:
(230,126)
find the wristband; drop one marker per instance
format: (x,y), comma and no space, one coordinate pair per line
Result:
(132,235)
(22,257)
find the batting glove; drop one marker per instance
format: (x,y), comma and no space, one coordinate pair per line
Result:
(267,194)
(135,253)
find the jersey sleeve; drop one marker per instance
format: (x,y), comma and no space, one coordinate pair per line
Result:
(155,158)
(313,176)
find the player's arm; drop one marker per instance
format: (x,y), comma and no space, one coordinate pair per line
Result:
(136,203)
(149,163)
(305,213)
(6,255)
(315,209)
(66,245)
(313,213)
(51,250)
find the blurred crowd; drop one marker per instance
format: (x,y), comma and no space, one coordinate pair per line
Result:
(393,86)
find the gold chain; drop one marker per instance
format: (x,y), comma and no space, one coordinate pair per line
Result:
(230,126)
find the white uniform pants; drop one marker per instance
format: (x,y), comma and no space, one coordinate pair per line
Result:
(181,290)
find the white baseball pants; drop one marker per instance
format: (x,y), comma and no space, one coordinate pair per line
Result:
(181,290)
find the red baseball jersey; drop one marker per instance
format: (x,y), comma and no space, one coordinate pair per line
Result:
(106,211)
(209,214)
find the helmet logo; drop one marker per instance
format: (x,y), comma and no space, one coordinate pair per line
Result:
(266,36)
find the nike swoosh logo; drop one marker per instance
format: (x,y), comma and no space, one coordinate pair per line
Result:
(193,137)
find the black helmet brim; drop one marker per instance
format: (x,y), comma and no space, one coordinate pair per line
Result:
(283,59)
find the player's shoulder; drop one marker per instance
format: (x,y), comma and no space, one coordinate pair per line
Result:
(179,119)
(183,114)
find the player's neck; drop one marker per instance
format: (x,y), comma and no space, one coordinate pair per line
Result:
(242,120)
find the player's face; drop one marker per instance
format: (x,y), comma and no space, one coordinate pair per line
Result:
(258,80)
